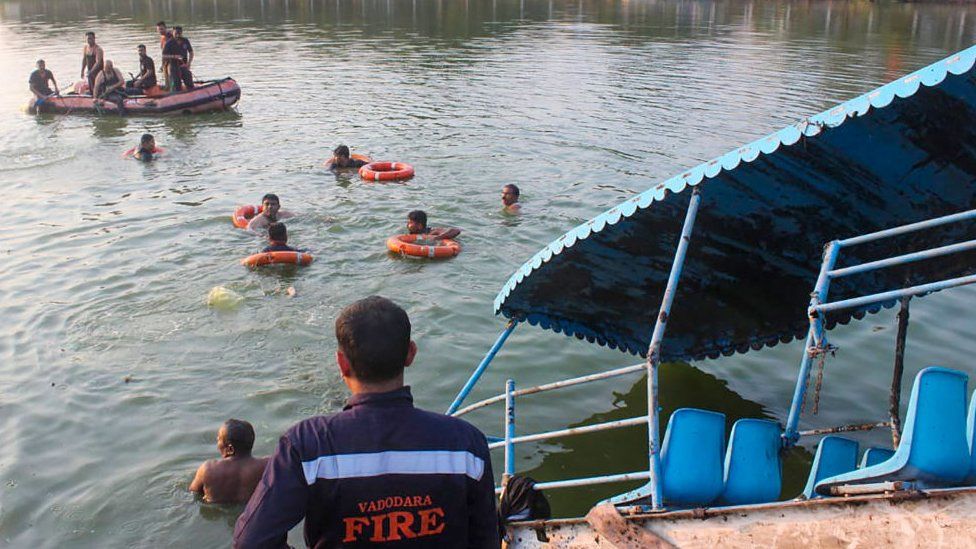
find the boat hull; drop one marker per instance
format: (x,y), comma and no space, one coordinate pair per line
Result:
(218,95)
(935,518)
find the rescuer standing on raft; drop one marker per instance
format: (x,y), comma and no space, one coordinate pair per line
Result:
(380,471)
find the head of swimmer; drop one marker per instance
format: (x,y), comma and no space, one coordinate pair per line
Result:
(417,222)
(270,205)
(374,345)
(90,38)
(147,142)
(510,194)
(341,155)
(235,438)
(278,233)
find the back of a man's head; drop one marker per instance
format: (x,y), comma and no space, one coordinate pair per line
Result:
(374,334)
(241,434)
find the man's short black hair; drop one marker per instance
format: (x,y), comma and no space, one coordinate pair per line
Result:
(374,334)
(90,33)
(178,29)
(272,197)
(146,137)
(40,62)
(419,216)
(515,189)
(141,47)
(241,434)
(341,151)
(278,232)
(160,23)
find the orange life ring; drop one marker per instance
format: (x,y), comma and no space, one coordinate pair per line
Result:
(132,151)
(285,258)
(354,156)
(386,171)
(243,214)
(407,244)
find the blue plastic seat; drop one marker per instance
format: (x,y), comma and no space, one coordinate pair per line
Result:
(691,457)
(752,463)
(933,450)
(971,440)
(835,455)
(874,456)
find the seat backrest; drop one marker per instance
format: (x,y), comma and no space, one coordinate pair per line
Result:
(835,455)
(874,456)
(935,426)
(753,472)
(691,457)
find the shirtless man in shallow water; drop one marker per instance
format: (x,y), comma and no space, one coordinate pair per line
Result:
(232,478)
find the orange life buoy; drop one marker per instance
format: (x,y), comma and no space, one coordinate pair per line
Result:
(437,248)
(284,258)
(386,171)
(243,214)
(354,156)
(132,151)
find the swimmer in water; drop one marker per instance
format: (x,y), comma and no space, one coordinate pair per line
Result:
(510,196)
(417,224)
(271,213)
(233,477)
(278,239)
(341,159)
(147,148)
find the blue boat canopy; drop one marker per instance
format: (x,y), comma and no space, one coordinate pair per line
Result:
(904,152)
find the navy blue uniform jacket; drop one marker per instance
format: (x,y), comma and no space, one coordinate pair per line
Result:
(379,473)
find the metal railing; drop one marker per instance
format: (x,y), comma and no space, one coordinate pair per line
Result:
(816,344)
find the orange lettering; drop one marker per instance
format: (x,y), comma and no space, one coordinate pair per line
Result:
(362,507)
(400,522)
(354,527)
(377,529)
(429,523)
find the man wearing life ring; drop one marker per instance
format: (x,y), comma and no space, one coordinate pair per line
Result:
(417,224)
(341,159)
(271,212)
(380,472)
(278,239)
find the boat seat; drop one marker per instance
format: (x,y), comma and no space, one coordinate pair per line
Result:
(752,463)
(835,455)
(691,457)
(971,440)
(874,456)
(933,449)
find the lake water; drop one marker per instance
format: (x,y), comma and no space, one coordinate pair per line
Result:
(114,373)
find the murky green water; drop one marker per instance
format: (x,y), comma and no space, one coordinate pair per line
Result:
(106,263)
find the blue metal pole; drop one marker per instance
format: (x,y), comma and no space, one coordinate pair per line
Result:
(653,486)
(480,370)
(903,259)
(509,432)
(894,294)
(911,227)
(814,336)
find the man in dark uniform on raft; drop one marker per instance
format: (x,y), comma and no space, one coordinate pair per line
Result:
(180,77)
(92,60)
(380,471)
(147,73)
(38,82)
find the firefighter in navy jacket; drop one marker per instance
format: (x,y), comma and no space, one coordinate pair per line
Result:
(380,472)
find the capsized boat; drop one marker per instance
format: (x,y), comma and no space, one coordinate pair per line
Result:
(209,96)
(870,204)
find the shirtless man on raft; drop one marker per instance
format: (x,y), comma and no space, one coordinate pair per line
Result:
(233,477)
(271,213)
